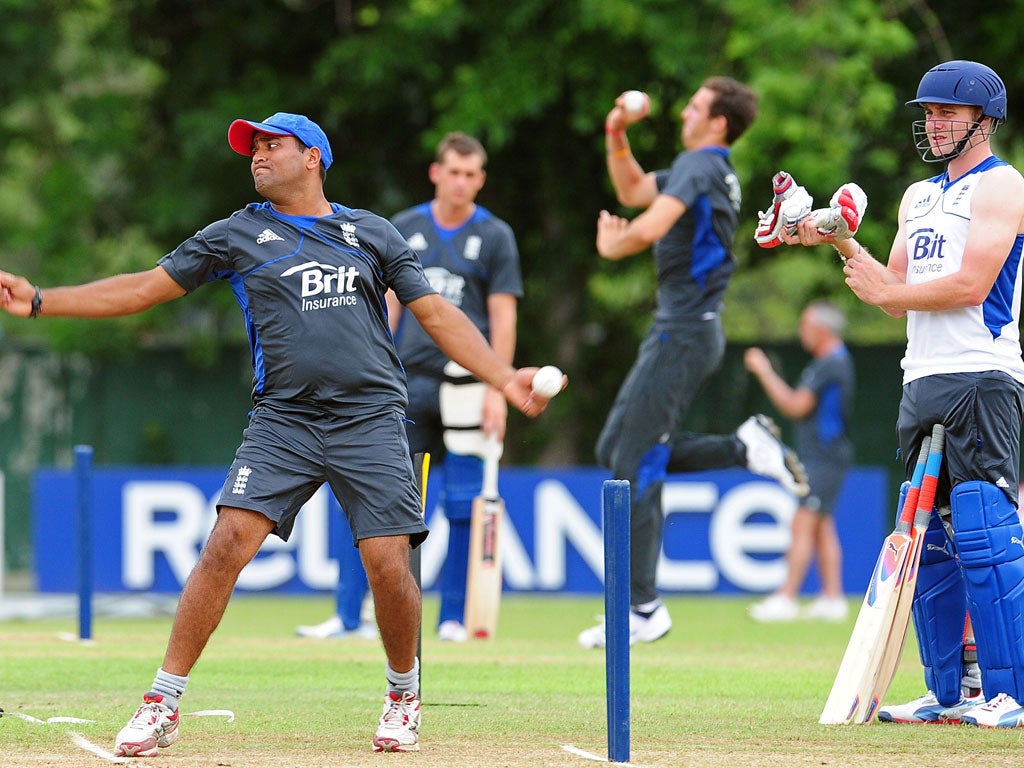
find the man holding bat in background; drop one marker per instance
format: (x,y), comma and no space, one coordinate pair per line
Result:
(471,259)
(690,215)
(954,270)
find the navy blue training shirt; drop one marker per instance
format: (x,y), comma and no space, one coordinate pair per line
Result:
(694,258)
(312,294)
(465,265)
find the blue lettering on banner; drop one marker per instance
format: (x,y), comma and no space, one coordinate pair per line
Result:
(725,532)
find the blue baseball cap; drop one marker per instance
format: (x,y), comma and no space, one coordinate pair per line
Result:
(281,124)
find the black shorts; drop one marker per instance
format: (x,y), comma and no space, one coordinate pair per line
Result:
(981,413)
(285,457)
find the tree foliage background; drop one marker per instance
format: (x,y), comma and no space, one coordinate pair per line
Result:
(114,119)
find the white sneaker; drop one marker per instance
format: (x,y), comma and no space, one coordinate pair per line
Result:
(153,725)
(650,628)
(828,609)
(323,629)
(641,629)
(775,608)
(399,729)
(333,627)
(593,637)
(767,455)
(451,631)
(927,709)
(1001,712)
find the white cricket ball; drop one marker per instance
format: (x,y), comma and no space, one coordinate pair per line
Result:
(634,101)
(547,381)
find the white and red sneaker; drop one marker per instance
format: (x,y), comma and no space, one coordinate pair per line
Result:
(154,725)
(399,729)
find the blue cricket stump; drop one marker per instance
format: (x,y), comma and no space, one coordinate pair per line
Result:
(83,520)
(615,512)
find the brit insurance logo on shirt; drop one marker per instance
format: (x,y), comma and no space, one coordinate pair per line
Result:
(926,253)
(325,286)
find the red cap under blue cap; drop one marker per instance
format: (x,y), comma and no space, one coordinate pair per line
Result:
(281,124)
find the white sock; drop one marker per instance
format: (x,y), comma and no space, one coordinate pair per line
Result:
(400,682)
(171,687)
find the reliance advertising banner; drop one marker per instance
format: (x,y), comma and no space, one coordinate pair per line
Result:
(725,532)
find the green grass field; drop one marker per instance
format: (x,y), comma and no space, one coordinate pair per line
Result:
(719,690)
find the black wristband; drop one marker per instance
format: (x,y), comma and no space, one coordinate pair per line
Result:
(37,303)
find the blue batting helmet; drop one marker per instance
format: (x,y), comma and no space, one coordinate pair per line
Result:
(963,82)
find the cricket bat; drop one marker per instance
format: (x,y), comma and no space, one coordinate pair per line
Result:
(850,700)
(892,651)
(483,577)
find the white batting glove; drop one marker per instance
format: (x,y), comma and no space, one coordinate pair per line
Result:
(842,219)
(791,204)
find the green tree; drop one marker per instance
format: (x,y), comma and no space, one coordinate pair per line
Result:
(116,110)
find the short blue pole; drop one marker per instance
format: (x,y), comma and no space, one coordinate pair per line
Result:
(83,486)
(615,507)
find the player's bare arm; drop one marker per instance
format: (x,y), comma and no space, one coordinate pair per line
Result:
(462,342)
(793,403)
(997,212)
(126,294)
(634,187)
(618,238)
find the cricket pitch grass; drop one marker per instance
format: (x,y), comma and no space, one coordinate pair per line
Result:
(718,690)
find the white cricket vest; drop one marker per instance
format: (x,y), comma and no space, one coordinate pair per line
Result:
(972,339)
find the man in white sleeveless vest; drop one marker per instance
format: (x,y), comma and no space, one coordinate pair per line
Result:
(954,271)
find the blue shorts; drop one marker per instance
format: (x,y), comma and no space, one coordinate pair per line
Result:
(286,456)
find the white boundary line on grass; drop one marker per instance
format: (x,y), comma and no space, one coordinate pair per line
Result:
(60,719)
(212,713)
(88,746)
(591,756)
(65,719)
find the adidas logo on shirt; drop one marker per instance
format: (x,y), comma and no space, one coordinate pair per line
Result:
(266,236)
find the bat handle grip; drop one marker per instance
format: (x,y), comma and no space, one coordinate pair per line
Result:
(492,453)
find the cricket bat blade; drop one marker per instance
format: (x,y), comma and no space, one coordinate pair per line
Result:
(850,695)
(483,577)
(853,698)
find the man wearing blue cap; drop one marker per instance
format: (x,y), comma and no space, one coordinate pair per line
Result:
(329,398)
(954,272)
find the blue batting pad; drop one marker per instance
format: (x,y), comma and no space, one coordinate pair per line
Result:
(990,543)
(463,477)
(940,610)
